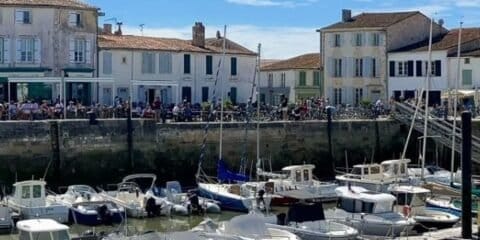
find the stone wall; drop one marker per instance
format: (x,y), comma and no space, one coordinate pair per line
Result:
(99,154)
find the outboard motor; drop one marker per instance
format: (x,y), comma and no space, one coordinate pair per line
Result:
(260,200)
(281,218)
(151,208)
(195,203)
(105,215)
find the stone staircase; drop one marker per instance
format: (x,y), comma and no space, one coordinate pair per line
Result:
(438,127)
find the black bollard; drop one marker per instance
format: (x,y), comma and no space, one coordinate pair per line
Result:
(467,175)
(130,142)
(329,133)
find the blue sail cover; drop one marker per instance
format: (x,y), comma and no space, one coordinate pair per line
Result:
(225,175)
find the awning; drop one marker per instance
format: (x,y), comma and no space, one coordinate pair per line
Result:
(460,93)
(3,79)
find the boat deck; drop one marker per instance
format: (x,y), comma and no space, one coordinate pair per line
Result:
(450,233)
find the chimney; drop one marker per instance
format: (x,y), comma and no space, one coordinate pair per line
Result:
(198,35)
(219,36)
(119,30)
(346,15)
(107,29)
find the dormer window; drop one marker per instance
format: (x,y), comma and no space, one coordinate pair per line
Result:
(23,16)
(75,19)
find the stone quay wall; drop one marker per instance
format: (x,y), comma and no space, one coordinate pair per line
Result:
(74,152)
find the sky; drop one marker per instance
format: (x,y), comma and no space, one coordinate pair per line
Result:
(284,28)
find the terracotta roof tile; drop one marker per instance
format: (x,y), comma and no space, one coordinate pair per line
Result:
(306,61)
(447,41)
(77,4)
(168,44)
(472,53)
(373,20)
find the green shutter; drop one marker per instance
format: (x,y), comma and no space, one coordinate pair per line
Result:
(316,78)
(467,77)
(303,79)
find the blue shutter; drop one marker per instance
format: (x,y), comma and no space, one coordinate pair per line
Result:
(367,67)
(330,67)
(6,51)
(37,51)
(344,67)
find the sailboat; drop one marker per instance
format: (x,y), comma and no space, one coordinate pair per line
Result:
(228,188)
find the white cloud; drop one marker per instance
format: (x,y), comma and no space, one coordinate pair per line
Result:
(277,42)
(272,3)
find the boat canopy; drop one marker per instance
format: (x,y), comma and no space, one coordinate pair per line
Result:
(363,194)
(305,212)
(409,189)
(225,175)
(299,167)
(370,202)
(40,225)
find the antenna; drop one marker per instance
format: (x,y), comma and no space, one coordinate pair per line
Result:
(141,28)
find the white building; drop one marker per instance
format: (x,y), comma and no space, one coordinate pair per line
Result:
(296,78)
(174,69)
(408,66)
(42,39)
(355,52)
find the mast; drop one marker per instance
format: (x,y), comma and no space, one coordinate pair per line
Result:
(222,92)
(455,102)
(258,101)
(427,93)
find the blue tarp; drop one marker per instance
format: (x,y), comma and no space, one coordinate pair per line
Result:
(225,175)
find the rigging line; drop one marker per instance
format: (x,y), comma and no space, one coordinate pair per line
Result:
(210,114)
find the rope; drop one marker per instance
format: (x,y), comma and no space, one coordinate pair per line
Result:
(207,125)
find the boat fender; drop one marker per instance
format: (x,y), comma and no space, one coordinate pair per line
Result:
(407,210)
(281,218)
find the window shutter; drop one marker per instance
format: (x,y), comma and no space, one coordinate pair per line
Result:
(438,68)
(371,39)
(344,67)
(72,50)
(353,39)
(72,19)
(330,67)
(88,52)
(392,69)
(410,68)
(378,68)
(6,51)
(169,61)
(381,39)
(19,16)
(342,40)
(37,50)
(107,63)
(364,39)
(419,69)
(331,40)
(367,67)
(19,50)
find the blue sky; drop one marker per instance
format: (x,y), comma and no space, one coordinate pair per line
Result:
(284,27)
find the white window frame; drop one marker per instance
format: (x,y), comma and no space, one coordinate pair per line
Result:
(402,69)
(75,19)
(21,20)
(433,70)
(358,67)
(27,52)
(376,39)
(358,40)
(80,50)
(337,69)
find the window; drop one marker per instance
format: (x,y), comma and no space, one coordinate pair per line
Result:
(204,94)
(467,61)
(303,79)
(186,64)
(41,236)
(436,68)
(80,49)
(367,207)
(358,40)
(23,17)
(337,40)
(358,67)
(148,63)
(404,198)
(358,95)
(282,80)
(209,65)
(25,49)
(270,80)
(37,191)
(316,78)
(2,50)
(25,192)
(467,77)
(233,66)
(74,19)
(60,235)
(165,62)
(375,39)
(306,176)
(375,170)
(124,60)
(107,63)
(337,96)
(374,67)
(337,72)
(298,176)
(346,204)
(402,69)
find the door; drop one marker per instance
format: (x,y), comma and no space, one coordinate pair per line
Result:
(151,95)
(187,94)
(233,95)
(204,94)
(107,96)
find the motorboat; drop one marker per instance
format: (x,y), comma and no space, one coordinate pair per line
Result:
(432,174)
(87,207)
(411,202)
(138,201)
(371,213)
(451,204)
(173,192)
(297,178)
(246,227)
(6,221)
(29,200)
(307,220)
(377,177)
(45,229)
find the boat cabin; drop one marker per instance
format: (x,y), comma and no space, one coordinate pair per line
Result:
(299,173)
(370,171)
(385,170)
(42,229)
(30,193)
(395,168)
(360,200)
(410,195)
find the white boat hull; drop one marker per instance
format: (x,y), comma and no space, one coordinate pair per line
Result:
(57,212)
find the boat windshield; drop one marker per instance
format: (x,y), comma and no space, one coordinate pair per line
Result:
(355,205)
(357,171)
(60,235)
(57,235)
